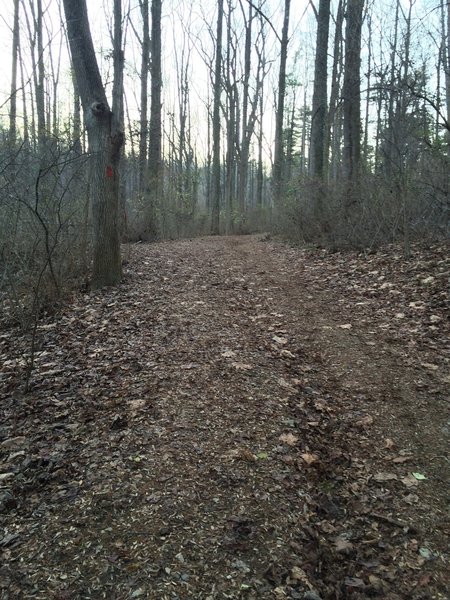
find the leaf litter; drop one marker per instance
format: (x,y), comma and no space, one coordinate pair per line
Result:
(151,457)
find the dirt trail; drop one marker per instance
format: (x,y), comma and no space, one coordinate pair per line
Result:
(227,423)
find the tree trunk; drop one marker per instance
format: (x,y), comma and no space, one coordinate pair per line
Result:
(13,98)
(278,161)
(155,189)
(333,127)
(319,105)
(391,128)
(351,92)
(247,124)
(215,204)
(40,79)
(260,170)
(369,76)
(145,60)
(447,71)
(76,124)
(105,142)
(23,84)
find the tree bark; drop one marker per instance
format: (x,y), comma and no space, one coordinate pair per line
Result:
(13,98)
(216,192)
(351,91)
(278,161)
(40,91)
(155,187)
(105,142)
(145,61)
(447,71)
(319,104)
(333,127)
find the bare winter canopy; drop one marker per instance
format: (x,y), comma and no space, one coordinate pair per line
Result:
(325,120)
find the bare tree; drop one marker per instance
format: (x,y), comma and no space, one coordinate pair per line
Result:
(351,91)
(104,134)
(446,57)
(145,61)
(13,97)
(277,171)
(39,70)
(155,183)
(333,131)
(319,104)
(216,195)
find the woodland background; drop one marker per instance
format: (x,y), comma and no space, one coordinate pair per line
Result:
(241,417)
(326,122)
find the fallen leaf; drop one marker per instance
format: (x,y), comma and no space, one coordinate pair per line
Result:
(377,583)
(242,454)
(401,459)
(346,326)
(135,404)
(425,553)
(241,366)
(430,366)
(364,422)
(424,580)
(310,458)
(285,384)
(247,455)
(279,340)
(298,574)
(342,545)
(288,438)
(385,477)
(419,476)
(389,444)
(411,499)
(354,582)
(409,481)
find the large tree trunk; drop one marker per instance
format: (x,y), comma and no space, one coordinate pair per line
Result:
(260,170)
(76,122)
(40,81)
(278,161)
(390,143)
(247,126)
(105,141)
(351,91)
(145,60)
(319,105)
(155,188)
(447,72)
(13,98)
(216,192)
(334,127)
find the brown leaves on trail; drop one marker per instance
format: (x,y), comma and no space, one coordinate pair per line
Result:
(215,423)
(405,300)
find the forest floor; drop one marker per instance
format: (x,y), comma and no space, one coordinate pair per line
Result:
(237,419)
